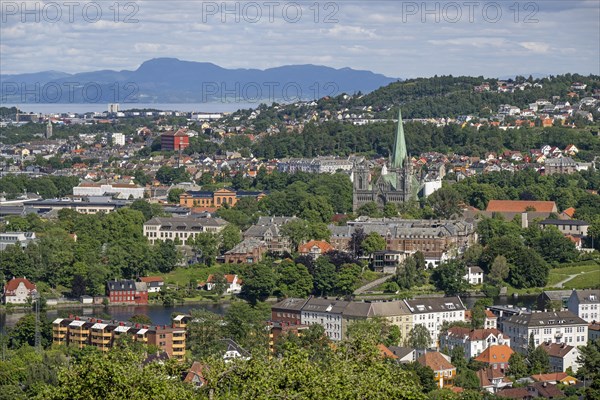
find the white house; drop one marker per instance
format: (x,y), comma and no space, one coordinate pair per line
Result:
(474,342)
(327,313)
(474,275)
(562,356)
(558,327)
(233,283)
(585,304)
(18,290)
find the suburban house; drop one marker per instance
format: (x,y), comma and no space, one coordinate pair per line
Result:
(404,354)
(153,283)
(127,291)
(585,304)
(496,357)
(233,283)
(474,342)
(492,379)
(18,291)
(234,351)
(388,261)
(248,251)
(194,375)
(555,378)
(444,372)
(474,275)
(562,356)
(314,248)
(546,326)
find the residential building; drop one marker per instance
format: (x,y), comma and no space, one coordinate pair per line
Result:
(174,141)
(326,312)
(532,391)
(560,165)
(277,329)
(118,139)
(496,357)
(153,283)
(234,351)
(268,230)
(520,206)
(585,304)
(117,190)
(19,291)
(388,261)
(194,375)
(438,240)
(549,299)
(568,226)
(180,229)
(314,248)
(102,334)
(233,283)
(474,342)
(432,312)
(127,291)
(562,356)
(474,275)
(492,379)
(394,312)
(212,201)
(558,327)
(594,331)
(444,372)
(288,311)
(21,239)
(404,354)
(248,251)
(555,378)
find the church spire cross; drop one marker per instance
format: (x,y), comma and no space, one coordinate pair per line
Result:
(399,151)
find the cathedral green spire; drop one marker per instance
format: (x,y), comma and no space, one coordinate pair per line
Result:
(399,151)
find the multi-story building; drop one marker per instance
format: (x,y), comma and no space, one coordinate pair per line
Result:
(568,226)
(562,356)
(438,240)
(394,312)
(585,304)
(174,141)
(594,331)
(118,139)
(432,312)
(180,229)
(555,327)
(288,311)
(326,312)
(474,342)
(81,332)
(127,291)
(21,239)
(268,230)
(119,190)
(560,165)
(248,251)
(19,291)
(278,329)
(444,372)
(388,261)
(212,201)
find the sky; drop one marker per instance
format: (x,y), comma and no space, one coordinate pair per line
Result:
(400,39)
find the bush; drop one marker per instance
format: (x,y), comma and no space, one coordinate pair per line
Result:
(491,291)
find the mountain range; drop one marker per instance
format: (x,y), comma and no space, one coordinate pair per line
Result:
(170,80)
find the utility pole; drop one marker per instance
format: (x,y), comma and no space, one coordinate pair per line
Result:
(38,341)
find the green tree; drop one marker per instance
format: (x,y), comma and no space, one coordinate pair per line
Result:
(207,245)
(294,280)
(419,337)
(499,270)
(259,282)
(372,243)
(23,333)
(297,231)
(450,277)
(445,202)
(324,276)
(230,237)
(517,367)
(173,195)
(468,379)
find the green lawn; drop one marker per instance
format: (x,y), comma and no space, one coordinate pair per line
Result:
(586,280)
(182,276)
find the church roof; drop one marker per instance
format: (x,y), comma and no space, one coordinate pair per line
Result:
(399,151)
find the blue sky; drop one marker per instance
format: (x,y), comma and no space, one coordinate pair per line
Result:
(395,38)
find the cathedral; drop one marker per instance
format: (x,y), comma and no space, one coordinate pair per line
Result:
(397,183)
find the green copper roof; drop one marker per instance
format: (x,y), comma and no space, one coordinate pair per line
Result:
(399,151)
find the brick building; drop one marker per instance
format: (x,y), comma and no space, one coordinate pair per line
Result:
(174,141)
(127,291)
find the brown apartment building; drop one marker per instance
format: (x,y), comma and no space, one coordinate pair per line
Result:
(82,331)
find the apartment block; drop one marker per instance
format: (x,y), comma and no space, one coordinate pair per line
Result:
(103,334)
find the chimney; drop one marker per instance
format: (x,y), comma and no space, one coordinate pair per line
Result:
(524,221)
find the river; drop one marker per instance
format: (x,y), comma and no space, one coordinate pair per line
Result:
(159,314)
(162,315)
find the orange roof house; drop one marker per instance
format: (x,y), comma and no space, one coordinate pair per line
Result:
(521,206)
(496,356)
(569,212)
(555,377)
(385,352)
(444,372)
(18,290)
(194,375)
(314,248)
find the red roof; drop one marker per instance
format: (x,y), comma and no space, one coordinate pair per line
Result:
(149,279)
(228,277)
(569,211)
(13,284)
(520,206)
(435,361)
(551,377)
(495,354)
(385,352)
(321,244)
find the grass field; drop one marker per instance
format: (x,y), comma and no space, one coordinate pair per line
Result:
(588,276)
(182,276)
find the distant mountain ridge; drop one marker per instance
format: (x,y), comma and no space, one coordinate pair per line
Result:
(170,80)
